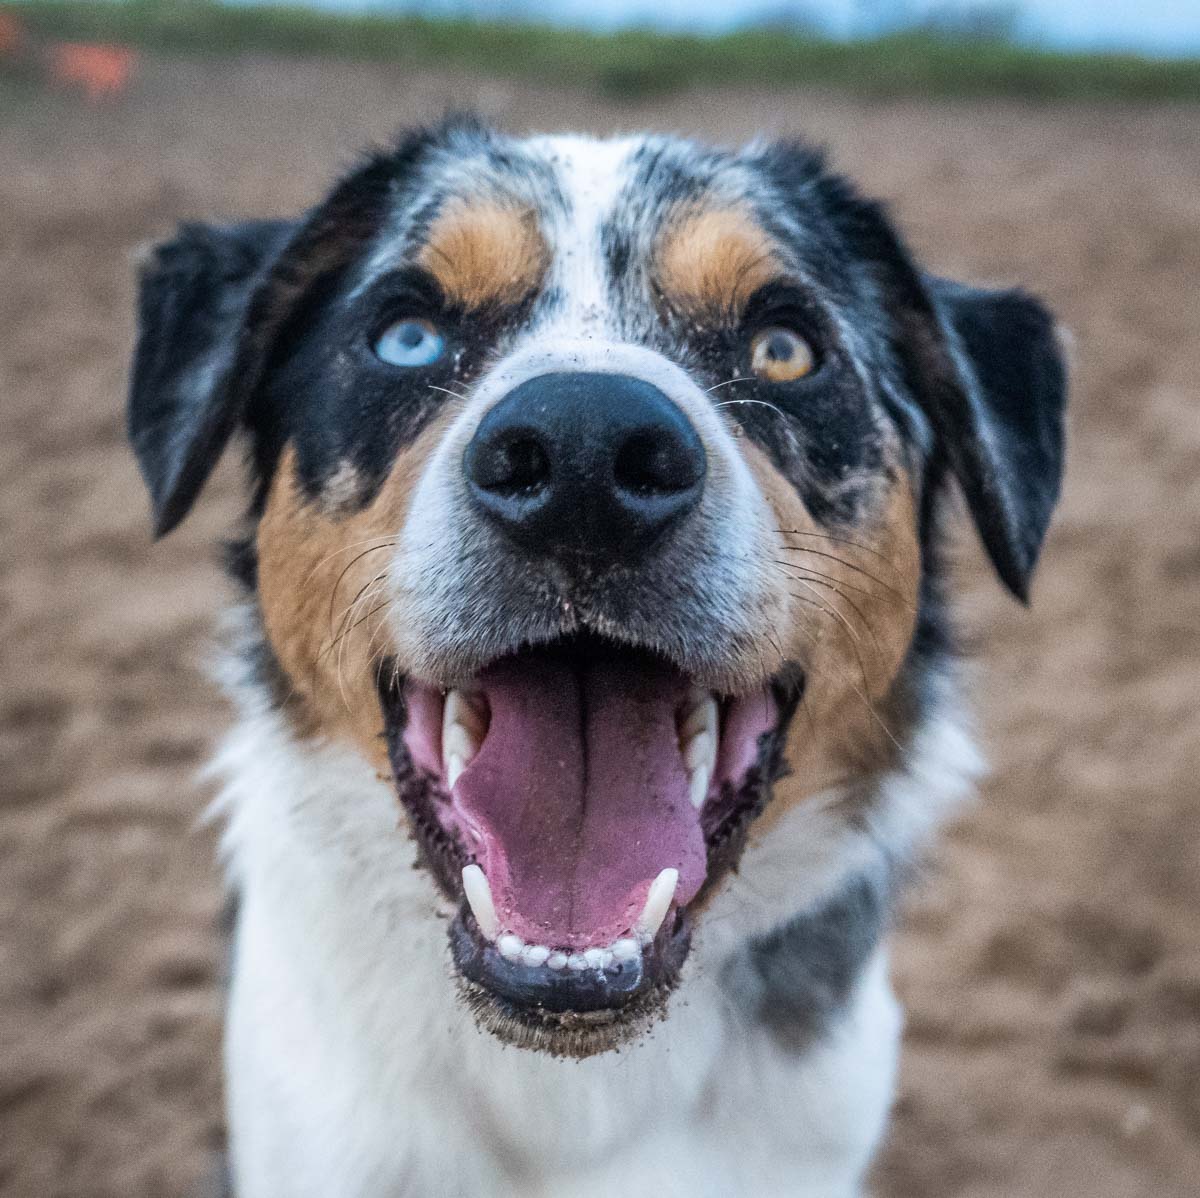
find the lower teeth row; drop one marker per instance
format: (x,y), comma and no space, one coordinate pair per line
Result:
(513,948)
(628,948)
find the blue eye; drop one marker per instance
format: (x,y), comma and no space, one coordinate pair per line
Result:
(410,342)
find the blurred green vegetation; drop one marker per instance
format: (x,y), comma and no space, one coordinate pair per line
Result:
(629,64)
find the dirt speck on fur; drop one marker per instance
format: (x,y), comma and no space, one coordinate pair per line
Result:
(1050,958)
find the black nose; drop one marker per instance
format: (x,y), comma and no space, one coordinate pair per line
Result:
(580,463)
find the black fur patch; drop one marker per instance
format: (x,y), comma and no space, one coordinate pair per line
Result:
(798,980)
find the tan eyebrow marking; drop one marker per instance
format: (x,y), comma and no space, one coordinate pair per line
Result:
(712,260)
(483,251)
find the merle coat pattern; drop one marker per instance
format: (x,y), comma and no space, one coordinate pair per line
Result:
(810,396)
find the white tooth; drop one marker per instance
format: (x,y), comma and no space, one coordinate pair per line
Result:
(699,751)
(479,899)
(557,961)
(462,732)
(626,949)
(510,946)
(577,962)
(698,786)
(702,717)
(594,957)
(658,902)
(535,954)
(458,709)
(457,739)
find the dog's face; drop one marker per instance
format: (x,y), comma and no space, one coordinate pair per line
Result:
(596,492)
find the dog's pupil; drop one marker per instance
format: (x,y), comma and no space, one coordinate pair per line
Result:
(780,347)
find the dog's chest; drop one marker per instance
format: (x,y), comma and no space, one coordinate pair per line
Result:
(353,1069)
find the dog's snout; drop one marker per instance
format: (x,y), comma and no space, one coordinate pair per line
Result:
(585,463)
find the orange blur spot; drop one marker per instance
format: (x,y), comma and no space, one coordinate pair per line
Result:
(11,34)
(100,71)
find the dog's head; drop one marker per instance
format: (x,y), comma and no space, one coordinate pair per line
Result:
(596,490)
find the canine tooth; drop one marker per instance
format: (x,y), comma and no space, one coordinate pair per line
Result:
(698,751)
(479,899)
(457,739)
(701,717)
(577,962)
(510,946)
(557,961)
(462,731)
(535,954)
(458,709)
(626,949)
(658,902)
(698,786)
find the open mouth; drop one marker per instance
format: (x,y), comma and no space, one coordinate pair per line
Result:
(578,801)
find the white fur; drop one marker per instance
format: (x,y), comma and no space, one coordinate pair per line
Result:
(591,173)
(353,1070)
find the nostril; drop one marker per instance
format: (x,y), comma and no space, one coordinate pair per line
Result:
(510,466)
(651,463)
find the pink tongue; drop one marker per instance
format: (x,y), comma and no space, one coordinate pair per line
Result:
(579,796)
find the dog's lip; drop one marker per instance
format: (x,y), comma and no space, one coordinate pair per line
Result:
(612,988)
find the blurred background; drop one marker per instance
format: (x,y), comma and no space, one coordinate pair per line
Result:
(1049,958)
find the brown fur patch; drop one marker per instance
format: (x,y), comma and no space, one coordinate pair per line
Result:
(710,261)
(482,252)
(853,605)
(324,610)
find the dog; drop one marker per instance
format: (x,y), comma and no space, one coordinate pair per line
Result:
(595,682)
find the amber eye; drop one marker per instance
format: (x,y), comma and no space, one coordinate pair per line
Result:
(780,355)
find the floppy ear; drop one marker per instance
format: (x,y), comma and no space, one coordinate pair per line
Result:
(996,397)
(183,404)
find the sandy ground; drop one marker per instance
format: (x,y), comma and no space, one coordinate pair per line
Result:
(1051,959)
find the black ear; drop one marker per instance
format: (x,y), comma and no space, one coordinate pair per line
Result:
(997,411)
(191,309)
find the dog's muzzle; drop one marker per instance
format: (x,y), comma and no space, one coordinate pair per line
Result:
(578,792)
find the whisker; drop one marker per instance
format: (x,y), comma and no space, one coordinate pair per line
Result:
(762,403)
(366,596)
(862,669)
(861,695)
(448,391)
(346,611)
(341,680)
(746,378)
(837,615)
(839,581)
(349,566)
(825,582)
(387,539)
(833,557)
(827,536)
